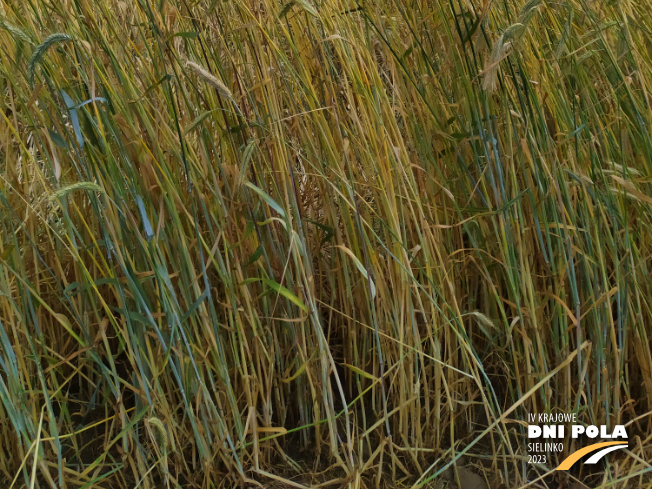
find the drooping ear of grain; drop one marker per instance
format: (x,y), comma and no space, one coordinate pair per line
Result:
(207,77)
(41,49)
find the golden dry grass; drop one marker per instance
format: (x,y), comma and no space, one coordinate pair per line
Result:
(321,242)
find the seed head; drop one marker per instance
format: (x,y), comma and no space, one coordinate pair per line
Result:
(209,78)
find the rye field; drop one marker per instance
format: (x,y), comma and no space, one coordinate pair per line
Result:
(322,243)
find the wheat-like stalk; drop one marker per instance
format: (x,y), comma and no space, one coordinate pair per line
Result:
(209,78)
(382,257)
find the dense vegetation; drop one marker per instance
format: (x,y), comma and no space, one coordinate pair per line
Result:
(337,242)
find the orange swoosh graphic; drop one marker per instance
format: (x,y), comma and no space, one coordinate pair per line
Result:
(575,456)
